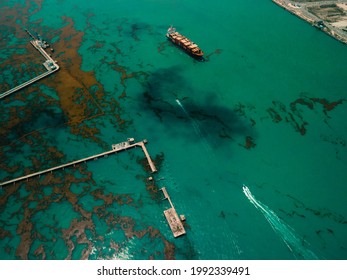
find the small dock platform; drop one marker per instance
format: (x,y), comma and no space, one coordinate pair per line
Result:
(115,149)
(172,218)
(174,222)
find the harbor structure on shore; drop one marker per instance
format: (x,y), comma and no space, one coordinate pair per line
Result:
(330,17)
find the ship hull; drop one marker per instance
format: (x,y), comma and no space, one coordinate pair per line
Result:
(185,44)
(196,56)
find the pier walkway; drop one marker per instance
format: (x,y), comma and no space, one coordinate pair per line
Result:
(115,149)
(172,218)
(150,162)
(27,83)
(49,64)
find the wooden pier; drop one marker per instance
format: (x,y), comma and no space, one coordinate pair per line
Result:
(171,216)
(115,149)
(49,64)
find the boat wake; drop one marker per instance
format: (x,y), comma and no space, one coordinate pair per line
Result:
(196,127)
(295,243)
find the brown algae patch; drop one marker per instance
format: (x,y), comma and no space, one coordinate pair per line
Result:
(80,98)
(249,143)
(293,114)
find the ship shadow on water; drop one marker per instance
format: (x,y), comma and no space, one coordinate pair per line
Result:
(219,123)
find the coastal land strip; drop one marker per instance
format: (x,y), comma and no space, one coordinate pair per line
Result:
(330,16)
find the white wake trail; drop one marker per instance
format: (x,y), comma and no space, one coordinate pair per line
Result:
(196,127)
(295,243)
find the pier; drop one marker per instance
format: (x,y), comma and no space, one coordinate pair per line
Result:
(49,64)
(172,218)
(150,162)
(115,149)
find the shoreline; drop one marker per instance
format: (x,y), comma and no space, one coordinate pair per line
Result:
(310,18)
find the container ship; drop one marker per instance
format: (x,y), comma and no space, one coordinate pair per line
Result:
(183,42)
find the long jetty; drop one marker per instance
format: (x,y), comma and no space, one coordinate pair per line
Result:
(27,83)
(172,218)
(115,149)
(49,64)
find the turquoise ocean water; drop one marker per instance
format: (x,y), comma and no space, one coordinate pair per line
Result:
(267,110)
